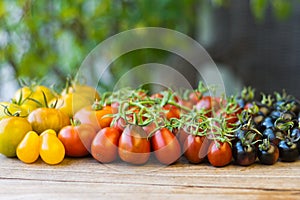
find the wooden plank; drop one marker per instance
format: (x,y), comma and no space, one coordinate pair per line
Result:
(86,177)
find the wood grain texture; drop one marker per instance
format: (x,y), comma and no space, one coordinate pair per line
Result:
(86,178)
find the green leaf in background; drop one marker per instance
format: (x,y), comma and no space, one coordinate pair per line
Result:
(282,8)
(258,8)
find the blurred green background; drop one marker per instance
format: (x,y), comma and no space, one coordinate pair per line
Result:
(254,42)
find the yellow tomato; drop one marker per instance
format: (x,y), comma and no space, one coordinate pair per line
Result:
(42,119)
(11,108)
(25,96)
(28,150)
(12,131)
(85,91)
(70,103)
(52,151)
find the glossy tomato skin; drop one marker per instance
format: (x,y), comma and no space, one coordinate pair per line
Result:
(166,147)
(28,150)
(268,156)
(134,146)
(42,119)
(208,104)
(105,145)
(288,151)
(195,148)
(172,111)
(88,115)
(243,154)
(12,131)
(77,139)
(219,153)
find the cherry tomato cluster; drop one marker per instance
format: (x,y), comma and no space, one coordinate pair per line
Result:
(131,125)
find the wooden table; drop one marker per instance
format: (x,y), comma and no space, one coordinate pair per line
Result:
(85,178)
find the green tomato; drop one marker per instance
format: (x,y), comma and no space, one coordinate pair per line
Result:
(12,131)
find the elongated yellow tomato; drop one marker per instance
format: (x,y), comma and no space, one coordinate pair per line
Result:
(12,131)
(28,150)
(52,151)
(70,103)
(42,119)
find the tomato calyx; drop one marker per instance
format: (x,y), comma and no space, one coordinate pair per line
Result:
(10,114)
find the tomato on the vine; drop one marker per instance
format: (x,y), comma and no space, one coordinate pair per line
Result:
(104,147)
(134,146)
(166,147)
(219,153)
(195,148)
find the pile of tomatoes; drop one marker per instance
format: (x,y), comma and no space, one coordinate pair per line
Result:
(132,125)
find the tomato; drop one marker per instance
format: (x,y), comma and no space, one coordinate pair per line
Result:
(25,94)
(134,147)
(7,107)
(172,111)
(52,150)
(84,91)
(28,150)
(268,153)
(288,151)
(219,153)
(209,104)
(70,103)
(120,124)
(96,118)
(42,119)
(105,145)
(12,131)
(166,147)
(195,148)
(243,153)
(77,139)
(195,96)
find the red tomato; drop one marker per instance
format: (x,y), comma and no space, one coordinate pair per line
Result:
(105,145)
(209,104)
(194,97)
(165,146)
(120,124)
(95,118)
(77,139)
(149,128)
(173,111)
(219,154)
(134,147)
(181,136)
(195,148)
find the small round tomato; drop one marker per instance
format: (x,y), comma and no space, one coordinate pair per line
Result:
(268,153)
(105,145)
(77,139)
(134,147)
(243,153)
(85,91)
(42,119)
(96,118)
(195,148)
(36,92)
(288,151)
(52,150)
(208,104)
(12,131)
(166,147)
(7,108)
(70,103)
(219,153)
(28,150)
(172,111)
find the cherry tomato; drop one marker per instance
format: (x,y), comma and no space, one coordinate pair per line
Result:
(195,148)
(42,119)
(244,154)
(166,147)
(219,153)
(172,111)
(52,150)
(134,147)
(25,95)
(288,151)
(105,145)
(70,103)
(77,139)
(268,153)
(120,124)
(12,131)
(28,150)
(96,118)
